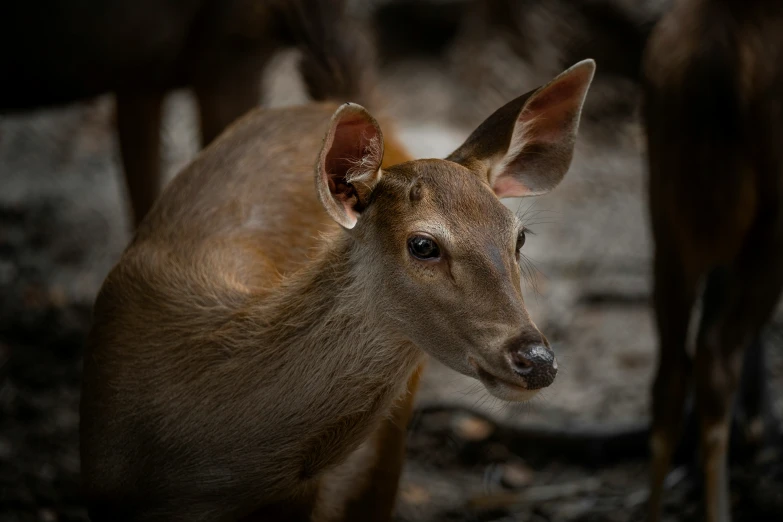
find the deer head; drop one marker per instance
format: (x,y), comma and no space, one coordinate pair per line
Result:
(439,252)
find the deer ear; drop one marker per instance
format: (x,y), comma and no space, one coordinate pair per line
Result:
(525,147)
(349,163)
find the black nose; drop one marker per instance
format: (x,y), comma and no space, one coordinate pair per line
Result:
(535,362)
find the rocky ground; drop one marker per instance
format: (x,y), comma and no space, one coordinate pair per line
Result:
(575,453)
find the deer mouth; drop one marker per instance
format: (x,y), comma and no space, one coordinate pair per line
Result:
(503,388)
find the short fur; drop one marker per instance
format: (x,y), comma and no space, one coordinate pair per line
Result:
(714,116)
(241,368)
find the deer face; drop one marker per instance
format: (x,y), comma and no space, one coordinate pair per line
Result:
(438,248)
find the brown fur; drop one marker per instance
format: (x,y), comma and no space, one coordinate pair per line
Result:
(250,359)
(714,115)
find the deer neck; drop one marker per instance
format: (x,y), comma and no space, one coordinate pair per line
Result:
(322,342)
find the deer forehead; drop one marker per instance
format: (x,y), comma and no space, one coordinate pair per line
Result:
(448,197)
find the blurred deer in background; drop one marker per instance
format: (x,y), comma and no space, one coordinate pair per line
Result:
(56,52)
(714,116)
(240,367)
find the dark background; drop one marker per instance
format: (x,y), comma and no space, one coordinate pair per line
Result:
(577,453)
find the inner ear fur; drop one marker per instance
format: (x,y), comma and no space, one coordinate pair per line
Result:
(349,163)
(525,147)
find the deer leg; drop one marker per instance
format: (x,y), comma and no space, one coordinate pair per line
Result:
(754,410)
(674,295)
(738,302)
(376,497)
(716,377)
(226,97)
(138,126)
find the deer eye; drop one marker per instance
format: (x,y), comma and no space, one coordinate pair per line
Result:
(520,240)
(423,247)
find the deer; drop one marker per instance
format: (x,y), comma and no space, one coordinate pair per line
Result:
(713,111)
(141,51)
(255,351)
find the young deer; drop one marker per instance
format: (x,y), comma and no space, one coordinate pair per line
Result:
(239,367)
(58,51)
(714,115)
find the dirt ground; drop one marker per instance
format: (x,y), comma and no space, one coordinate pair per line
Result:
(577,453)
